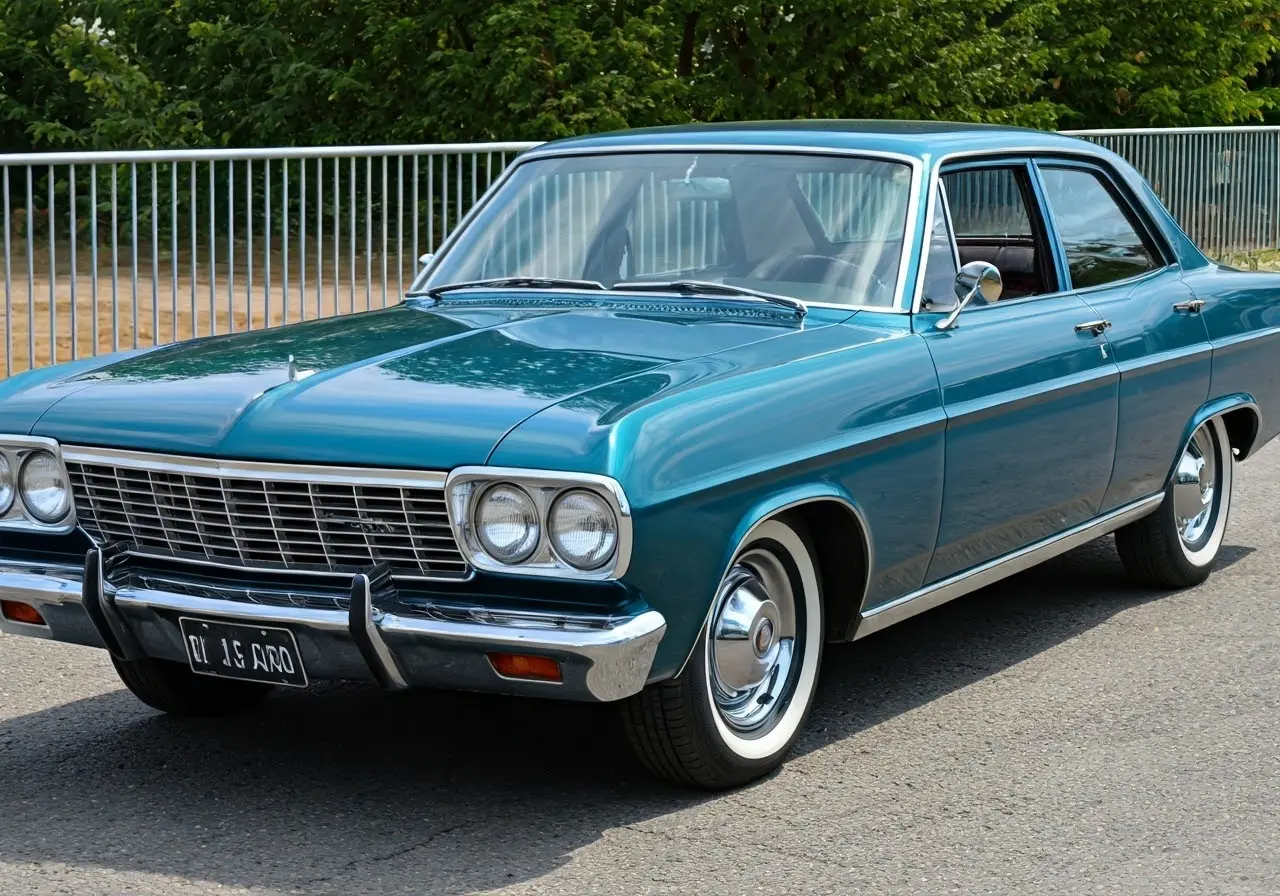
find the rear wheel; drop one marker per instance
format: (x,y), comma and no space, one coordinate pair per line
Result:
(175,689)
(734,712)
(1176,546)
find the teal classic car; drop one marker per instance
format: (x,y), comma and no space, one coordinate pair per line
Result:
(671,410)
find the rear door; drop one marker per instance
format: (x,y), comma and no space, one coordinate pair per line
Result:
(1031,398)
(1115,261)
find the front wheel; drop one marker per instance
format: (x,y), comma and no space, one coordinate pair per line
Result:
(1177,545)
(740,703)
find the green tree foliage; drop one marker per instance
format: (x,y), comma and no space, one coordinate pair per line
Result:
(39,104)
(972,60)
(1149,63)
(143,73)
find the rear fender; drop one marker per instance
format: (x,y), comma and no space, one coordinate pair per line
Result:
(1216,408)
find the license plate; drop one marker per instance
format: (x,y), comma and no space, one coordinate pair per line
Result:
(247,652)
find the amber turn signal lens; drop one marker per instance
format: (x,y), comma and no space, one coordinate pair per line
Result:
(519,665)
(19,612)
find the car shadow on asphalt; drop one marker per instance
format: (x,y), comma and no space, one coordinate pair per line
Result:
(456,792)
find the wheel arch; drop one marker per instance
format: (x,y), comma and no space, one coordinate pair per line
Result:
(1240,415)
(832,521)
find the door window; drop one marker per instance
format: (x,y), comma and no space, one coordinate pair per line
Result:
(993,222)
(1102,244)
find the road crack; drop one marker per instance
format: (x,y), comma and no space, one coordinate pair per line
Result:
(379,859)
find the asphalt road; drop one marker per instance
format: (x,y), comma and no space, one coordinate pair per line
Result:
(1059,733)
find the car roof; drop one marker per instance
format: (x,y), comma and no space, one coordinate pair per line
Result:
(918,139)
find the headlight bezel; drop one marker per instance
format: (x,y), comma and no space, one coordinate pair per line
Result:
(466,486)
(18,517)
(8,479)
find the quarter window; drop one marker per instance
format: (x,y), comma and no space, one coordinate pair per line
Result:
(940,263)
(1100,240)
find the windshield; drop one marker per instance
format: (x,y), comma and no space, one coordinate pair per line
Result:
(814,228)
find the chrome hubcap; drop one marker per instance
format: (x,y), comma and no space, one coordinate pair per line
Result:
(752,641)
(1193,487)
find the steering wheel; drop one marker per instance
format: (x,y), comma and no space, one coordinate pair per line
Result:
(811,267)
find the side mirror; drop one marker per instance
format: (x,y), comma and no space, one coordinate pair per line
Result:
(974,278)
(424,260)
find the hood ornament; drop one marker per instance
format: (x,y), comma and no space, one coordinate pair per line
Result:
(294,373)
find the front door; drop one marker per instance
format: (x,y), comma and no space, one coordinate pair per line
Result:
(1031,392)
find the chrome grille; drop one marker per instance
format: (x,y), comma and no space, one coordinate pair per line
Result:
(257,521)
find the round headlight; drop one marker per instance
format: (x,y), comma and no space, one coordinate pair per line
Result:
(506,522)
(6,485)
(44,488)
(583,529)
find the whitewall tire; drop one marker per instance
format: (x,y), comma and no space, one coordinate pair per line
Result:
(742,699)
(1177,545)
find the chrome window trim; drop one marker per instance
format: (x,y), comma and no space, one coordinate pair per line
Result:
(17,518)
(910,237)
(1081,153)
(951,228)
(927,242)
(543,486)
(1127,281)
(1082,293)
(245,469)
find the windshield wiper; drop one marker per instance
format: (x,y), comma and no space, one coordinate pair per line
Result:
(511,283)
(688,287)
(710,287)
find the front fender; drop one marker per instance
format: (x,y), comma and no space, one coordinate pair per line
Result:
(788,499)
(794,496)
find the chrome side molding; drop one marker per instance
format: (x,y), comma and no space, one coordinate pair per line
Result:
(938,593)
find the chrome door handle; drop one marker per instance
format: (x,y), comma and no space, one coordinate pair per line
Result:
(1191,306)
(1094,326)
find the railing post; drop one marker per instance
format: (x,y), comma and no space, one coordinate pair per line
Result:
(1274,196)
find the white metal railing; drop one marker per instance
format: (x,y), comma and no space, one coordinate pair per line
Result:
(1221,184)
(125,249)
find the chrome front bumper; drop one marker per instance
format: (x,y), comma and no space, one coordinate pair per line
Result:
(601,658)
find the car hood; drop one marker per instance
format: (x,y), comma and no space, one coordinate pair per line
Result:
(413,385)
